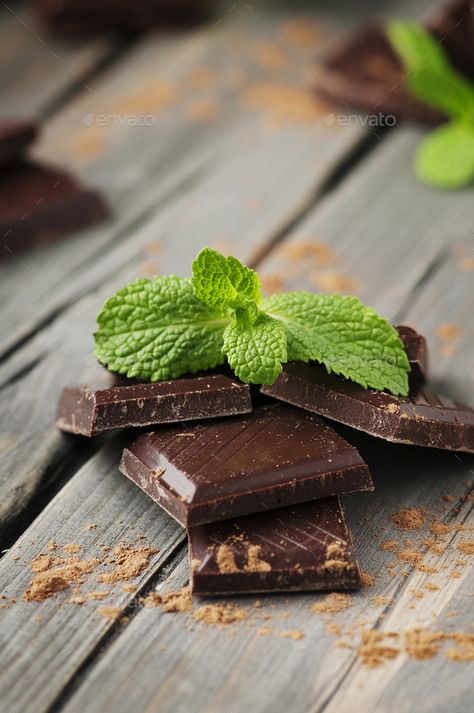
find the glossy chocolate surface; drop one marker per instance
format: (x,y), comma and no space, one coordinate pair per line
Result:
(299,547)
(87,411)
(423,419)
(275,456)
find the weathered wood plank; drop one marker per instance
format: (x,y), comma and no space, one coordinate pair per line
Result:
(37,70)
(199,667)
(98,495)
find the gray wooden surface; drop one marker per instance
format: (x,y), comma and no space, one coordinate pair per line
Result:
(238,156)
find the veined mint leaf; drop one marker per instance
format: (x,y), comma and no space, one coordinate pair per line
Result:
(344,335)
(158,329)
(430,75)
(256,351)
(446,157)
(223,283)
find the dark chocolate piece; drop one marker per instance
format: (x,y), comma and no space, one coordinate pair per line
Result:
(38,204)
(364,72)
(417,353)
(15,136)
(88,17)
(453,25)
(87,411)
(275,456)
(424,419)
(297,548)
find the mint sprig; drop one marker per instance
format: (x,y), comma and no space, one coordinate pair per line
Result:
(169,326)
(446,157)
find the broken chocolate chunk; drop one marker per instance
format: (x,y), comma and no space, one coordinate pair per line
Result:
(423,419)
(87,411)
(275,456)
(297,548)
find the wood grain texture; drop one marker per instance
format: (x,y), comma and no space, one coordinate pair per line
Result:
(64,634)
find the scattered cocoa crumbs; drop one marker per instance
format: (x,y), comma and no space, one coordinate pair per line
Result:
(410,556)
(171,602)
(71,548)
(368,580)
(295,634)
(225,560)
(421,643)
(97,596)
(374,651)
(272,282)
(128,587)
(91,526)
(332,603)
(304,249)
(283,104)
(110,612)
(408,519)
(380,600)
(466,547)
(254,563)
(129,563)
(447,498)
(195,564)
(53,575)
(332,281)
(439,528)
(216,614)
(465,650)
(77,599)
(389,545)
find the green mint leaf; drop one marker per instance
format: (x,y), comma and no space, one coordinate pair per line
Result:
(158,329)
(430,75)
(446,157)
(224,283)
(343,334)
(256,351)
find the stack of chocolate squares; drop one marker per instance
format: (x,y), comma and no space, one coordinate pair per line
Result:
(258,487)
(38,203)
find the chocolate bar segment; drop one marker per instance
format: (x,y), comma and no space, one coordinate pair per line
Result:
(39,204)
(297,548)
(364,72)
(87,411)
(275,456)
(423,419)
(15,136)
(417,353)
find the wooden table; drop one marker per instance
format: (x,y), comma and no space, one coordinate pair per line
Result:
(212,137)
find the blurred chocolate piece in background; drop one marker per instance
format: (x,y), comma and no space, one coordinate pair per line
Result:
(89,17)
(39,204)
(362,71)
(15,136)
